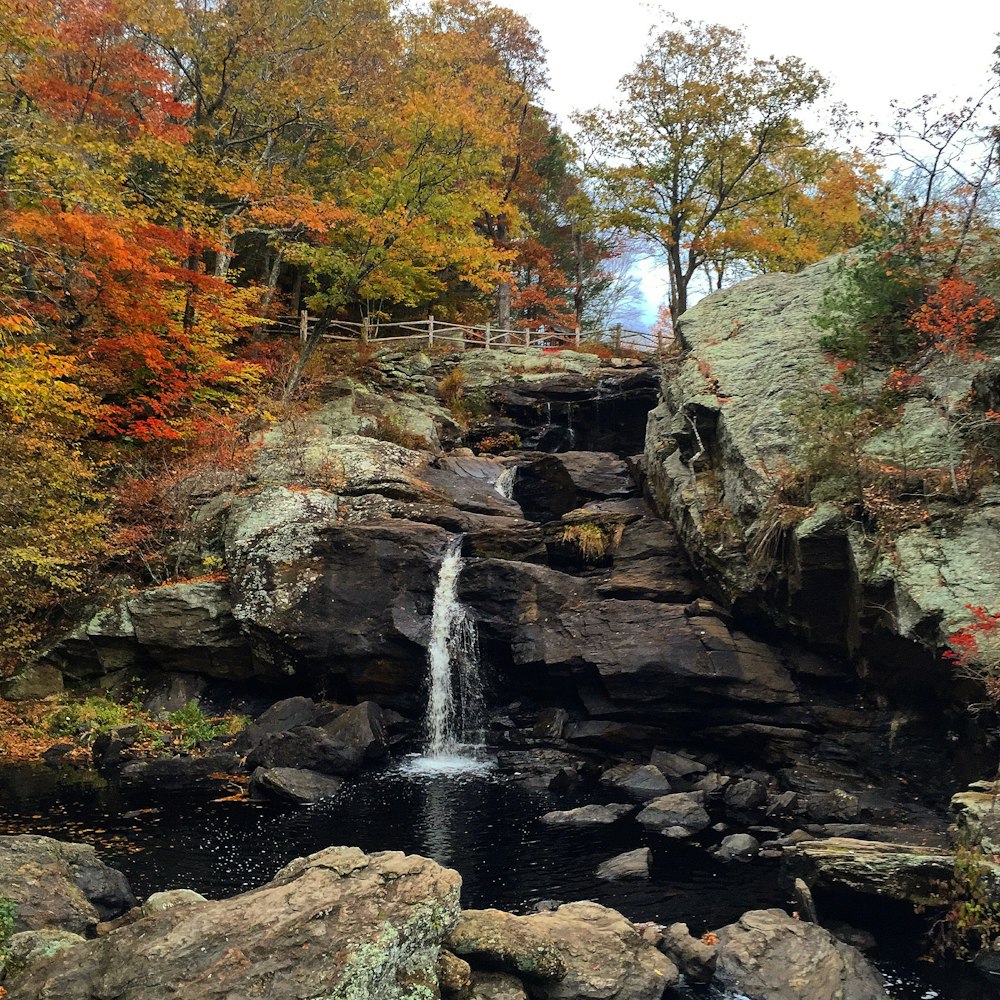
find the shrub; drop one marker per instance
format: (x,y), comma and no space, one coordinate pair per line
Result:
(95,714)
(593,541)
(388,428)
(972,922)
(866,312)
(494,444)
(195,727)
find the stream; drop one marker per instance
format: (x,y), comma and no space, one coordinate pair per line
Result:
(483,824)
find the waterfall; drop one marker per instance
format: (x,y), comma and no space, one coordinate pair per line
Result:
(455,699)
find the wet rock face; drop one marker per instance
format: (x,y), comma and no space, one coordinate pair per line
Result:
(338,923)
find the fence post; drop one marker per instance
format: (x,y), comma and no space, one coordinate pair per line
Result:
(365,323)
(304,325)
(430,330)
(576,338)
(527,338)
(617,339)
(487,336)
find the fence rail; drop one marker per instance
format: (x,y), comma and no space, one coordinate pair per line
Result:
(432,331)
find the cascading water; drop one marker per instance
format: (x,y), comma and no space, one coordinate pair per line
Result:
(455,705)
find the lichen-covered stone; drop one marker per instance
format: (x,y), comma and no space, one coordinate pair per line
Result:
(338,925)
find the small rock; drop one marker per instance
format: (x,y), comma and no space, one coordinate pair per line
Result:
(640,783)
(630,865)
(693,956)
(170,898)
(591,815)
(745,795)
(679,815)
(711,783)
(676,765)
(497,986)
(454,973)
(738,847)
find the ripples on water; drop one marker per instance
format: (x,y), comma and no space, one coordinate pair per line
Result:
(461,813)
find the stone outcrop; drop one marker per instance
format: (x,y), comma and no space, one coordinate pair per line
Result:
(907,872)
(338,923)
(717,447)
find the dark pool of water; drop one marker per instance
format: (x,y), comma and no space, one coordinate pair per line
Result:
(482,825)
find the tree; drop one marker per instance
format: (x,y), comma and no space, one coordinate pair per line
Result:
(705,136)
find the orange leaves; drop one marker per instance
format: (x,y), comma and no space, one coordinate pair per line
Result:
(951,316)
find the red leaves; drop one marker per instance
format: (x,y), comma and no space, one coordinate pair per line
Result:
(951,317)
(964,643)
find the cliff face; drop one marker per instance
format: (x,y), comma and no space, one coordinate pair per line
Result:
(880,573)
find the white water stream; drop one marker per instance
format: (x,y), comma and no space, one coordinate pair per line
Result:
(455,697)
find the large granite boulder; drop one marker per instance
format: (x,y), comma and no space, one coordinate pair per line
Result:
(767,955)
(579,951)
(59,886)
(339,923)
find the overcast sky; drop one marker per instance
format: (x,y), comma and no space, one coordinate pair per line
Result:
(871,51)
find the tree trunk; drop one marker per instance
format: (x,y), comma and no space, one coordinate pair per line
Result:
(504,288)
(308,350)
(578,287)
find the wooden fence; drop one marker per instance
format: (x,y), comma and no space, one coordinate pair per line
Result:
(430,332)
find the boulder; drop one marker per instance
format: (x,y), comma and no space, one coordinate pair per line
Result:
(640,783)
(630,865)
(677,816)
(346,605)
(591,815)
(282,715)
(977,819)
(180,772)
(292,784)
(676,765)
(578,951)
(191,627)
(454,973)
(60,886)
(338,924)
(745,796)
(309,748)
(34,682)
(767,955)
(362,728)
(597,475)
(738,847)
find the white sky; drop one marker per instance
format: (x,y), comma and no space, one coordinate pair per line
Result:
(871,51)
